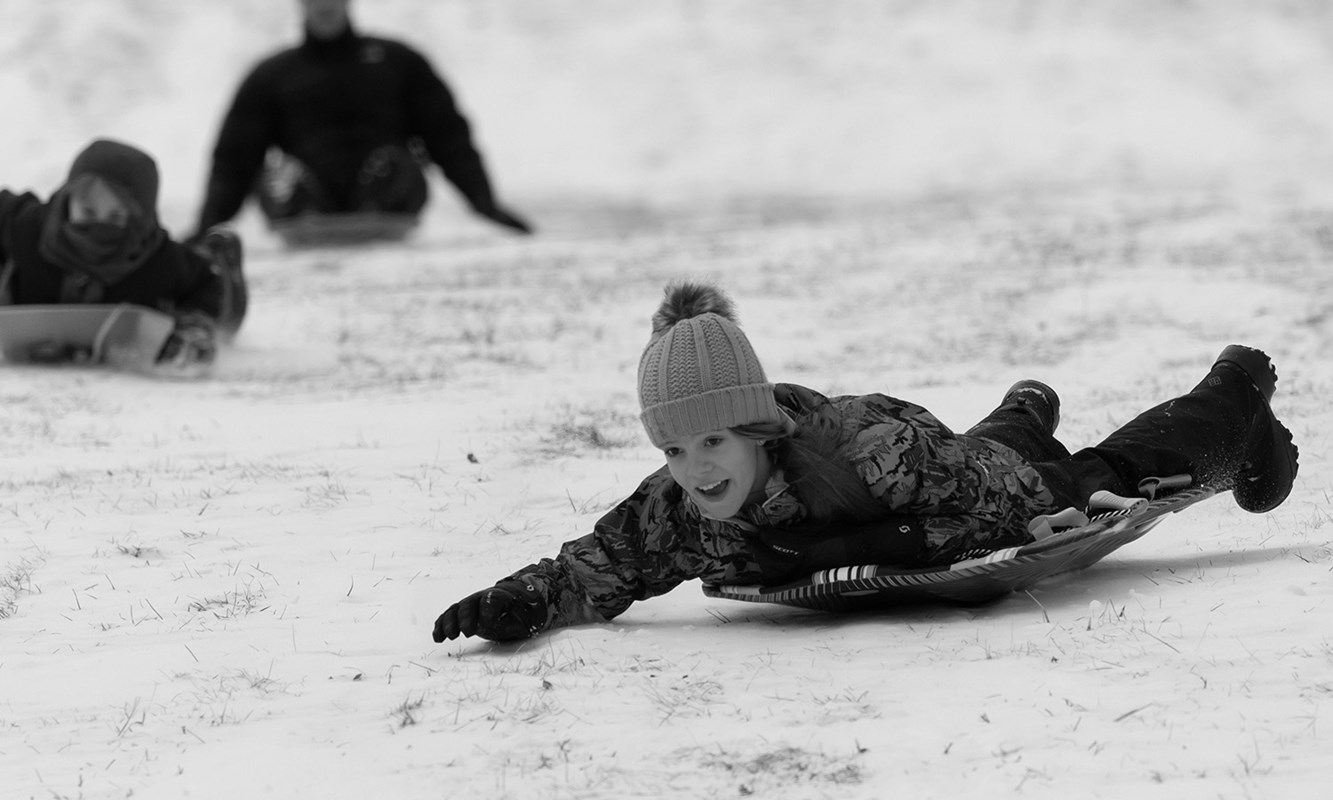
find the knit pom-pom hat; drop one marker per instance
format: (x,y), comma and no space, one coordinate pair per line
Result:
(699,372)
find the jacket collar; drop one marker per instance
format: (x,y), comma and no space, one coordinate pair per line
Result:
(780,506)
(345,42)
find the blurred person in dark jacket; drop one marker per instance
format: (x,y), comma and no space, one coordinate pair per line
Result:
(343,123)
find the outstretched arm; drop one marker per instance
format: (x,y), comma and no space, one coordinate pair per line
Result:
(195,302)
(448,139)
(646,546)
(238,156)
(10,206)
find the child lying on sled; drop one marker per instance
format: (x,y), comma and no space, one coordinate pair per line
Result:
(97,240)
(764,482)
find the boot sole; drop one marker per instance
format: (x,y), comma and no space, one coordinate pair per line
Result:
(1269,489)
(1272,484)
(1255,363)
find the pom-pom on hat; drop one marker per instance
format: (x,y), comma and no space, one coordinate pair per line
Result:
(699,372)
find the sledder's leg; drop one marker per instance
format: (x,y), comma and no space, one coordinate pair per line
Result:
(1025,421)
(391,181)
(1222,432)
(288,188)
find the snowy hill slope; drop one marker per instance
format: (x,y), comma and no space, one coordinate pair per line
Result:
(680,102)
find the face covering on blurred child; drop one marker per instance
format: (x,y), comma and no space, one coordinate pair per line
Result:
(104,222)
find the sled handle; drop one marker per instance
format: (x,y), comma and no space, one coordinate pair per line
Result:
(1149,487)
(1107,502)
(99,341)
(1046,525)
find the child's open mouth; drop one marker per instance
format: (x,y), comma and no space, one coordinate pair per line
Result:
(714,490)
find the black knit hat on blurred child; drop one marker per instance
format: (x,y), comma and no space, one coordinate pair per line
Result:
(128,168)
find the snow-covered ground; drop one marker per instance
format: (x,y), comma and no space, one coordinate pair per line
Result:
(225,588)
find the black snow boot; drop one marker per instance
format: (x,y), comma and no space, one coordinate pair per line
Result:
(1222,433)
(1038,399)
(1269,458)
(1025,421)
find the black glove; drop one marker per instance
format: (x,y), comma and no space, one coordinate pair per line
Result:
(502,217)
(193,341)
(785,554)
(505,612)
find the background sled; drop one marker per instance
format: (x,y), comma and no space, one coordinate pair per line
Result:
(321,230)
(123,336)
(975,580)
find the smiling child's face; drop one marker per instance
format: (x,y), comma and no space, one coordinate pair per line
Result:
(720,470)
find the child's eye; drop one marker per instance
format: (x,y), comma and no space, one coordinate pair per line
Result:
(671,452)
(713,441)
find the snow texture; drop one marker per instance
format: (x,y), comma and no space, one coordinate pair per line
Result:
(225,588)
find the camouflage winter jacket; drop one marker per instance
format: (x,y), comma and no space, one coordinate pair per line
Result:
(967,491)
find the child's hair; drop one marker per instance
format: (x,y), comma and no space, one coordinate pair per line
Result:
(816,467)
